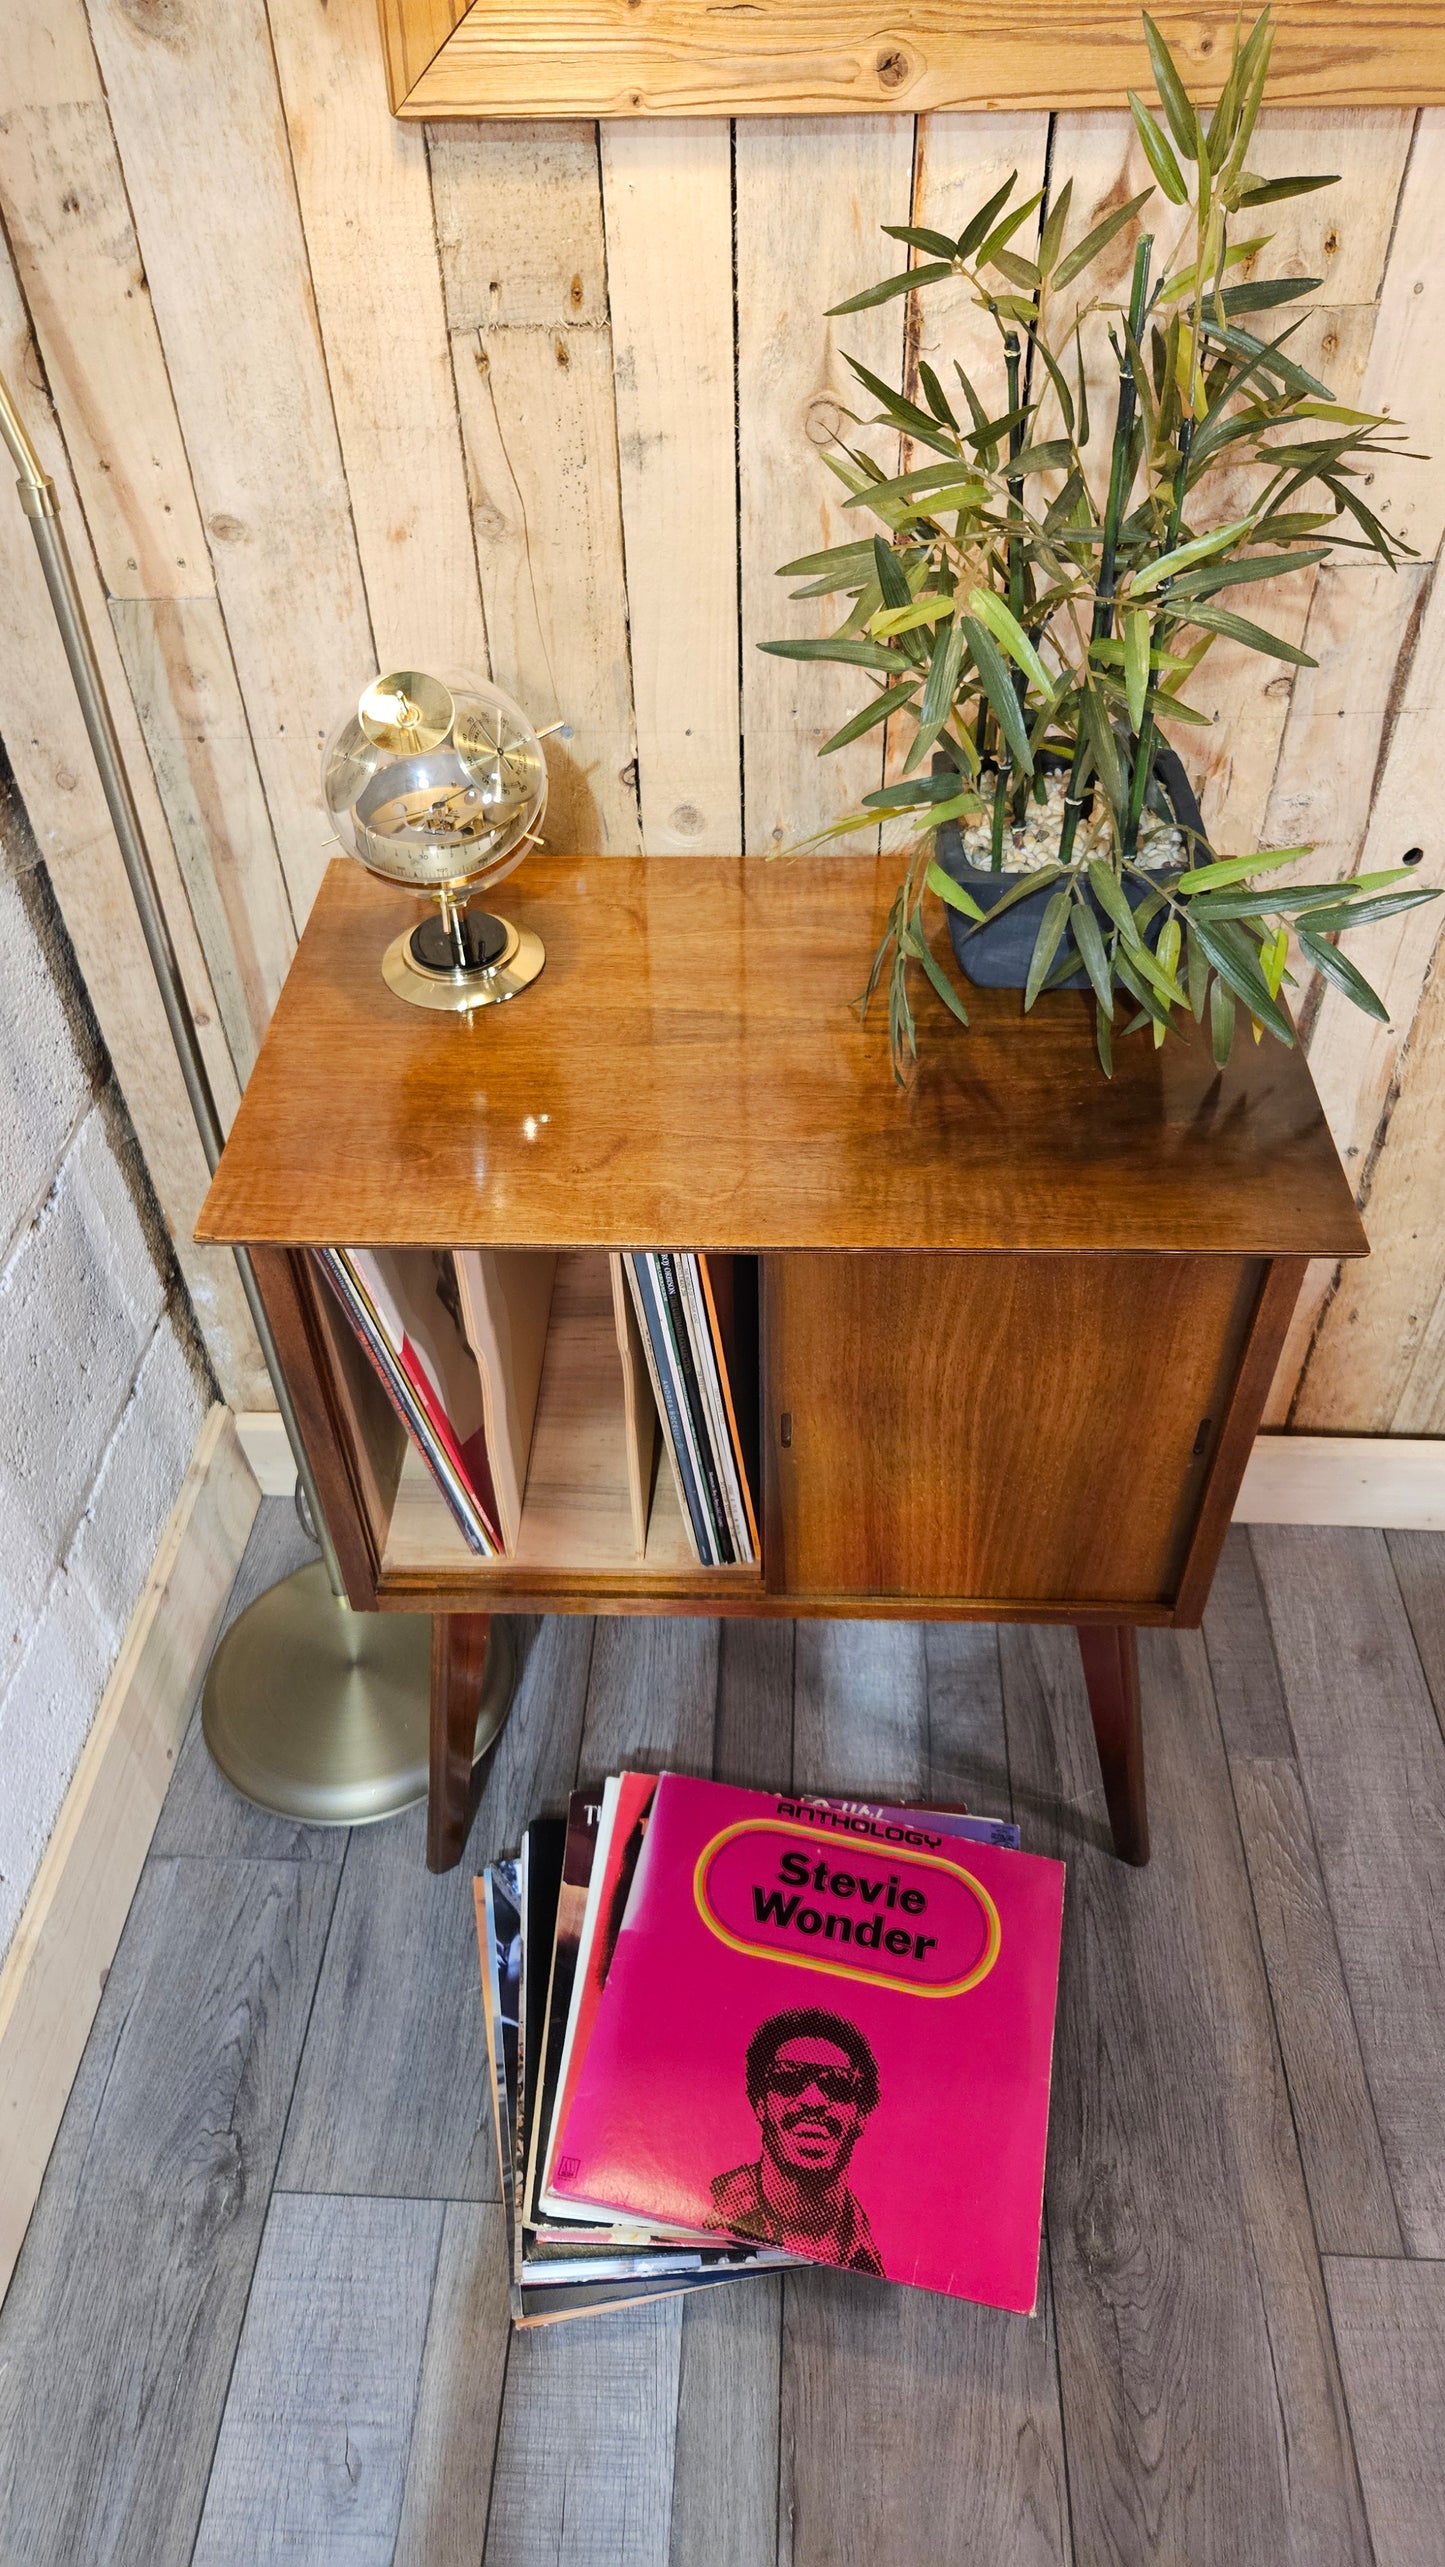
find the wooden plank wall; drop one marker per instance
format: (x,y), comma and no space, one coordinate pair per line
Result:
(322,392)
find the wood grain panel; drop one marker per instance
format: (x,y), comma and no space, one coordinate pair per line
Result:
(524,269)
(209,179)
(599,57)
(1373,1764)
(689,1068)
(810,199)
(667,194)
(970,1485)
(1390,2327)
(1199,2382)
(366,207)
(312,2450)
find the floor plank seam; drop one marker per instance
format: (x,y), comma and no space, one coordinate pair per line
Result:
(1326,1894)
(1436,1707)
(311,2009)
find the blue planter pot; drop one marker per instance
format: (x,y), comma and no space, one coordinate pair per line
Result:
(998,955)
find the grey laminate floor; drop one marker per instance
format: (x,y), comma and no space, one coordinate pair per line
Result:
(259,2315)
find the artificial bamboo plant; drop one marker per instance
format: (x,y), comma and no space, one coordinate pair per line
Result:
(1015,616)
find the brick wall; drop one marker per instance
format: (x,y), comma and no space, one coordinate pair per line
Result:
(102,1388)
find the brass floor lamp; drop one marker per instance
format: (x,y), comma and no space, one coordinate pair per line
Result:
(309,1708)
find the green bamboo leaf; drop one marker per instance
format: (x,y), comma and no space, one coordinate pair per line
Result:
(906,414)
(892,700)
(1094,721)
(857,653)
(1183,556)
(919,950)
(1112,898)
(851,557)
(1090,943)
(1227,869)
(1178,106)
(1238,628)
(1024,889)
(937,244)
(1103,1038)
(1273,191)
(1236,961)
(905,619)
(1170,940)
(1003,232)
(1136,662)
(890,574)
(1267,293)
(1051,456)
(943,671)
(1246,572)
(913,485)
(976,229)
(991,610)
(952,892)
(935,395)
(1157,152)
(923,788)
(1019,271)
(1087,250)
(892,286)
(1197,971)
(1326,921)
(1052,236)
(1221,1023)
(1338,968)
(998,687)
(1046,942)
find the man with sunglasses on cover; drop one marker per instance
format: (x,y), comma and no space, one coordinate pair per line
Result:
(812,2081)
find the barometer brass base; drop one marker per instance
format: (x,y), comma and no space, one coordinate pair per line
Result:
(506,959)
(322,1714)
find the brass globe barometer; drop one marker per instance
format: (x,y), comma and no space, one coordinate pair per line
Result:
(440,784)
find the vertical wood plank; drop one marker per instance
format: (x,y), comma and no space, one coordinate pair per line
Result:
(365,198)
(75,252)
(119,2329)
(951,2413)
(178,661)
(1202,2409)
(667,200)
(811,194)
(1373,1762)
(1334,2114)
(519,222)
(753,1741)
(50,754)
(311,2457)
(459,2401)
(725,2439)
(1390,2327)
(392,2093)
(208,173)
(1418,1560)
(651,1697)
(584,2458)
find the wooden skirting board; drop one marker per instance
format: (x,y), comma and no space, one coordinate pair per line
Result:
(1397,1481)
(53,1973)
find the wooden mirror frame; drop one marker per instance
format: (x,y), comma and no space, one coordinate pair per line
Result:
(839,57)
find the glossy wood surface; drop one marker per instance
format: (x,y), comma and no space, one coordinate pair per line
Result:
(689,1070)
(458,1667)
(1036,1428)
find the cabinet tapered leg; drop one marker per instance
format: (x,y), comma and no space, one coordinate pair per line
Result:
(458,1667)
(1110,1652)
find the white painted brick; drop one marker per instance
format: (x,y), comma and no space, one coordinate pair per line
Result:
(43,1085)
(139,1481)
(45,1716)
(79,1300)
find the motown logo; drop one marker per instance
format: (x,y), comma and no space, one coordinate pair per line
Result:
(911,1921)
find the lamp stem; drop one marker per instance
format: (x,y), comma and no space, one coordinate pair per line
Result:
(39,501)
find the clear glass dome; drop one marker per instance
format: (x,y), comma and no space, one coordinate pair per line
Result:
(438,783)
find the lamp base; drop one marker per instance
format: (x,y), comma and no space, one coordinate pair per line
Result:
(323,1714)
(423,966)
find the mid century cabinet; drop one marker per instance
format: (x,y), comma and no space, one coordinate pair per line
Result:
(1017,1322)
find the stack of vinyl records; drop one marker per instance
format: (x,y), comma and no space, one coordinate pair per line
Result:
(700,1339)
(731,2031)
